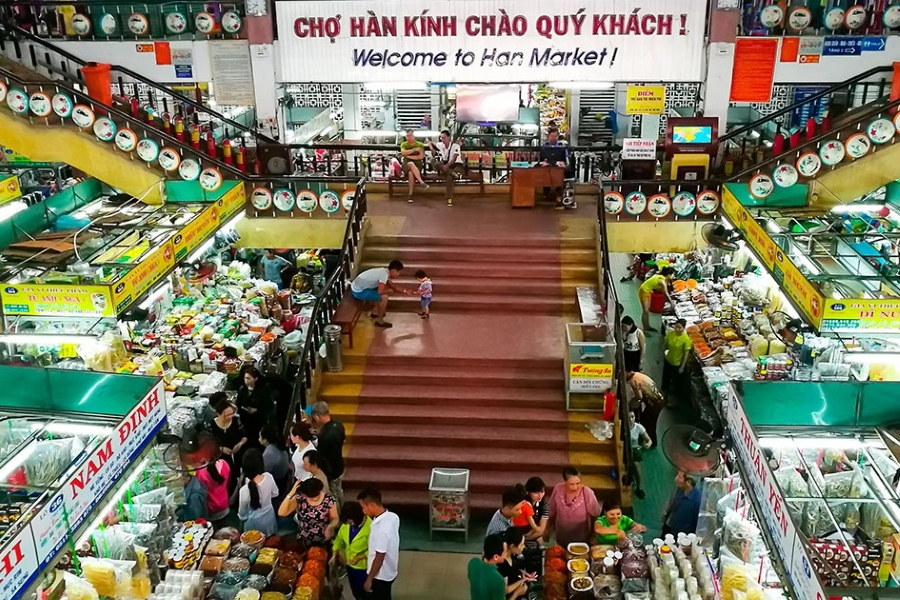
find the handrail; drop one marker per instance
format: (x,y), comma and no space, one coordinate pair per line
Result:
(791,108)
(140,78)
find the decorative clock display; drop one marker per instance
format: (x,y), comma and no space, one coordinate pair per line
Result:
(799,19)
(659,206)
(62,105)
(108,24)
(83,116)
(613,203)
(330,202)
(808,164)
(105,129)
(176,22)
(147,150)
(261,198)
(635,203)
(211,179)
(347,199)
(41,106)
(785,175)
(204,22)
(880,131)
(831,153)
(858,145)
(855,17)
(169,159)
(761,186)
(891,17)
(17,101)
(125,140)
(684,204)
(231,21)
(307,201)
(81,24)
(138,24)
(284,199)
(708,202)
(189,169)
(770,16)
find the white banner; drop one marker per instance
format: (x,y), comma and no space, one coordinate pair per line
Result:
(638,149)
(489,41)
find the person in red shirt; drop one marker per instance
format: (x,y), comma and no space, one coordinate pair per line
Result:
(525,520)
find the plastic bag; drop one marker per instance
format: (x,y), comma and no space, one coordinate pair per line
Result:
(49,459)
(714,488)
(734,578)
(78,588)
(741,537)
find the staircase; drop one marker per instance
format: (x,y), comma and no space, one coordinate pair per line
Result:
(479,385)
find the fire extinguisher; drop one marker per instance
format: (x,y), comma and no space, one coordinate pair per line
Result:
(226,152)
(167,123)
(210,144)
(239,159)
(195,137)
(179,129)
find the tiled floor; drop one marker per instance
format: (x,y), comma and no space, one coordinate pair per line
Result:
(429,576)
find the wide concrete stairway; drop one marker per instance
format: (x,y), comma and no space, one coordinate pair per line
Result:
(480,384)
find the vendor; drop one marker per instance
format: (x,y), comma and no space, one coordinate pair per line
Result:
(255,402)
(273,267)
(658,283)
(613,525)
(228,431)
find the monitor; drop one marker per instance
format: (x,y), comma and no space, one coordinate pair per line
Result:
(478,103)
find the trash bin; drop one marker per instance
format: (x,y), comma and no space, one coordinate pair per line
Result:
(449,491)
(333,359)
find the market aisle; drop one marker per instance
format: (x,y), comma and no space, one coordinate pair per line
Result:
(429,575)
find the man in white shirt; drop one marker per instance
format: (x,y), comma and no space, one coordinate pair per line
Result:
(449,163)
(384,545)
(375,285)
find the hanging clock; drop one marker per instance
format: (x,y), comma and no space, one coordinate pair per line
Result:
(17,100)
(307,201)
(834,19)
(771,16)
(880,131)
(761,186)
(62,105)
(169,159)
(808,164)
(855,17)
(613,203)
(831,152)
(635,203)
(40,104)
(176,22)
(83,116)
(896,116)
(659,206)
(891,17)
(858,145)
(204,22)
(800,18)
(138,24)
(707,202)
(125,140)
(4,89)
(105,129)
(231,21)
(81,24)
(189,169)
(683,204)
(284,199)
(211,179)
(147,150)
(330,202)
(349,197)
(108,24)
(785,175)
(261,198)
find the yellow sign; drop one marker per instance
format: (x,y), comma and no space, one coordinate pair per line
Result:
(861,315)
(57,300)
(753,232)
(146,273)
(585,377)
(9,189)
(200,227)
(231,202)
(645,100)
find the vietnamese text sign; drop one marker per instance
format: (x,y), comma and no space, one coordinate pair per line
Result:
(861,315)
(146,273)
(585,377)
(229,61)
(645,100)
(810,50)
(18,564)
(472,41)
(754,69)
(57,300)
(9,189)
(638,149)
(842,46)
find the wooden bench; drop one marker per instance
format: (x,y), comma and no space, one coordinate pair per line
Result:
(348,313)
(469,176)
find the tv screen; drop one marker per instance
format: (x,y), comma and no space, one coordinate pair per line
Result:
(691,134)
(478,103)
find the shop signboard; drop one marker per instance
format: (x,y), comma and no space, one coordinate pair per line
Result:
(142,277)
(9,189)
(587,377)
(231,202)
(754,234)
(645,100)
(638,149)
(774,511)
(861,315)
(52,300)
(497,42)
(94,478)
(18,564)
(198,229)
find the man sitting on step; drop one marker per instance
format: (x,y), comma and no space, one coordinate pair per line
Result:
(375,285)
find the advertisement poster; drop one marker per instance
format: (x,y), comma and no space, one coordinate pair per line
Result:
(861,315)
(9,189)
(57,300)
(754,69)
(645,100)
(468,41)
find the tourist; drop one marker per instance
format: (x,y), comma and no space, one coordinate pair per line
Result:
(640,441)
(525,519)
(272,267)
(330,444)
(424,292)
(485,580)
(634,343)
(613,526)
(351,546)
(384,546)
(375,286)
(449,162)
(511,507)
(555,154)
(645,400)
(255,508)
(275,456)
(413,153)
(315,511)
(255,402)
(301,437)
(684,507)
(312,464)
(536,491)
(517,579)
(215,476)
(228,431)
(677,348)
(658,283)
(573,509)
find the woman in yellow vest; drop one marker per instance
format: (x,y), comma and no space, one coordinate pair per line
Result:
(351,546)
(657,283)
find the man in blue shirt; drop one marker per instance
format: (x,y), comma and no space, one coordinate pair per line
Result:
(553,153)
(684,507)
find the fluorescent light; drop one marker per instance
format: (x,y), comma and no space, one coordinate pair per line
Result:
(582,85)
(856,208)
(229,225)
(426,133)
(45,338)
(17,461)
(396,85)
(201,250)
(373,102)
(73,428)
(754,134)
(871,358)
(112,501)
(152,296)
(380,132)
(8,210)
(812,442)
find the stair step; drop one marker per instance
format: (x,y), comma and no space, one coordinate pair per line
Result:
(427,376)
(484,365)
(499,303)
(452,395)
(479,285)
(451,415)
(404,241)
(493,256)
(521,272)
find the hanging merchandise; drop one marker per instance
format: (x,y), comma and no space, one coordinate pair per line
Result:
(169,159)
(891,17)
(284,199)
(81,24)
(189,169)
(770,16)
(761,186)
(205,22)
(109,25)
(708,202)
(138,24)
(17,100)
(684,204)
(799,18)
(147,150)
(62,105)
(329,202)
(3,91)
(808,164)
(834,19)
(231,22)
(83,116)
(41,106)
(855,17)
(105,129)
(211,179)
(307,201)
(126,140)
(659,206)
(176,22)
(347,199)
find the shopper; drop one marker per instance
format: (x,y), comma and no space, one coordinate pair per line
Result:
(684,507)
(384,545)
(255,508)
(677,347)
(517,579)
(413,153)
(255,402)
(375,286)
(272,267)
(638,267)
(640,441)
(573,509)
(536,490)
(301,437)
(485,580)
(228,431)
(312,464)
(330,444)
(424,292)
(513,501)
(646,401)
(351,546)
(275,457)
(315,511)
(613,526)
(634,344)
(658,283)
(215,477)
(449,162)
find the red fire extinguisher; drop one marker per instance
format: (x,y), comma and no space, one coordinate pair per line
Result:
(226,152)
(210,144)
(167,123)
(239,159)
(195,137)
(179,129)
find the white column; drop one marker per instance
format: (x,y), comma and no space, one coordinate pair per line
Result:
(262,61)
(720,62)
(352,125)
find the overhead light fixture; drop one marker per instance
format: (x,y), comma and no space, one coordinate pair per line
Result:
(388,86)
(13,208)
(229,225)
(581,85)
(857,208)
(152,296)
(45,338)
(201,250)
(17,461)
(64,427)
(811,442)
(126,485)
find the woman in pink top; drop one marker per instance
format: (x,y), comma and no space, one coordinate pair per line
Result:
(215,478)
(573,509)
